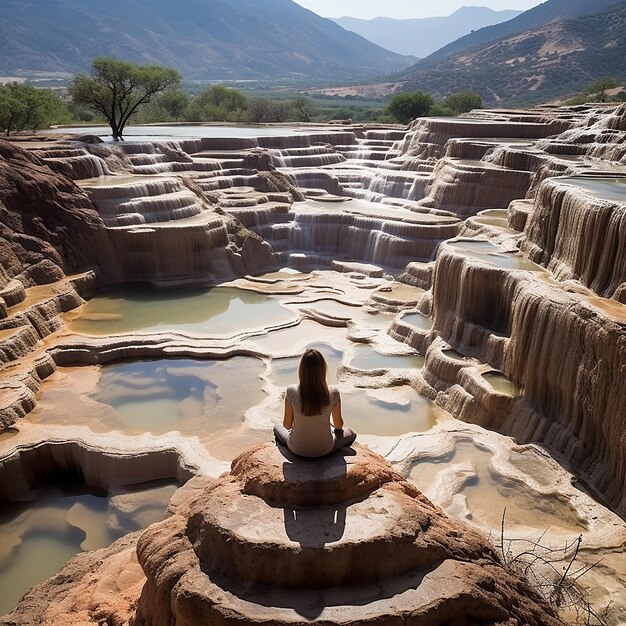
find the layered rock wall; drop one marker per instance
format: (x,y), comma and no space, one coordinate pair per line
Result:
(566,351)
(45,220)
(466,187)
(427,138)
(579,236)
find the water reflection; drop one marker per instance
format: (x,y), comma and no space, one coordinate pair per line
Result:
(211,312)
(600,187)
(488,252)
(418,320)
(39,537)
(193,397)
(388,412)
(502,384)
(366,358)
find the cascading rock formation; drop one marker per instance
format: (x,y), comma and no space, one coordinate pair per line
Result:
(465,277)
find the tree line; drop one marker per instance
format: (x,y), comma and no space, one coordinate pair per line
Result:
(118,92)
(24,107)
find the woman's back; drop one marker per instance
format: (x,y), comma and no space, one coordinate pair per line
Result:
(311,434)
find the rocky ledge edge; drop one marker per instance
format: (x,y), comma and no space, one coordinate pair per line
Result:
(280,540)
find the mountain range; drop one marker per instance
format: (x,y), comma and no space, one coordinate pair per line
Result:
(204,39)
(536,17)
(552,59)
(422,37)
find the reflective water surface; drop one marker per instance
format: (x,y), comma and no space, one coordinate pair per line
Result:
(604,188)
(152,133)
(39,537)
(502,384)
(214,312)
(366,358)
(388,412)
(419,320)
(196,398)
(488,252)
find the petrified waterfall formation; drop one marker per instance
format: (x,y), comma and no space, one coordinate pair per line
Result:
(493,244)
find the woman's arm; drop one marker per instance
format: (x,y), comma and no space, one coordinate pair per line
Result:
(336,414)
(288,417)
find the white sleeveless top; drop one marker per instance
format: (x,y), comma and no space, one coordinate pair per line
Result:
(311,435)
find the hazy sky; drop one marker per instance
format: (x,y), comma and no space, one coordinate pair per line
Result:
(405,8)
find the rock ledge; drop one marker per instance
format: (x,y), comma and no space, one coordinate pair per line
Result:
(341,540)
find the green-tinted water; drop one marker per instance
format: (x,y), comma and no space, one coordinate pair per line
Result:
(366,358)
(212,312)
(193,397)
(39,537)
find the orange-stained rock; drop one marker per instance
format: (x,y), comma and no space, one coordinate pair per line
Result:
(44,217)
(248,551)
(264,472)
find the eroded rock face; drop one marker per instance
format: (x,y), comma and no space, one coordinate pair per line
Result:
(46,221)
(564,348)
(577,235)
(343,540)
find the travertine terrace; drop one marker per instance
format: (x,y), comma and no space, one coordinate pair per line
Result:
(466,278)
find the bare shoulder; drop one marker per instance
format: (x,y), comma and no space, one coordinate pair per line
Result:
(291,394)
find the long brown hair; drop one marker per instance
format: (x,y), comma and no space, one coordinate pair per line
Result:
(314,394)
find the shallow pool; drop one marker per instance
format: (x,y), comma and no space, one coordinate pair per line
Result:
(418,320)
(221,311)
(155,133)
(603,188)
(366,358)
(488,252)
(487,493)
(39,537)
(195,398)
(388,412)
(500,383)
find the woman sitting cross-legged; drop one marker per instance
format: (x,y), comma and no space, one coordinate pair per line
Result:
(309,407)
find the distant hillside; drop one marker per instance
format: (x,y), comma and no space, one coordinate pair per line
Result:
(204,39)
(552,61)
(421,37)
(533,18)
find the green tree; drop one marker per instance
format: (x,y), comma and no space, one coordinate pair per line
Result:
(405,107)
(217,103)
(25,107)
(597,90)
(264,110)
(117,88)
(303,109)
(169,106)
(174,102)
(439,109)
(463,101)
(12,107)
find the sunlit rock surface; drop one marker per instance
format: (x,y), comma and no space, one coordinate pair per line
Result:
(38,210)
(279,527)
